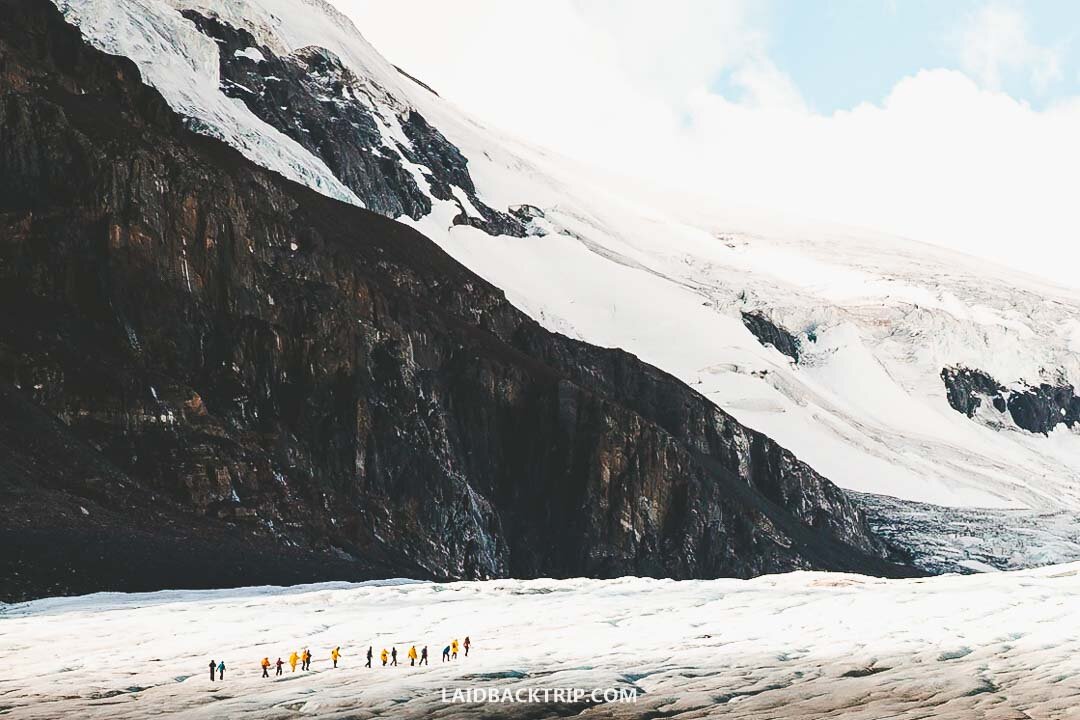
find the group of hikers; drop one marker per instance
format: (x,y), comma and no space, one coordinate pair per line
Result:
(304,658)
(450,652)
(390,658)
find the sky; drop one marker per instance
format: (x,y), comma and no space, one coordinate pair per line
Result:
(955,123)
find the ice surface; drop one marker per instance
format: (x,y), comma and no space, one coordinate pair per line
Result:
(803,645)
(943,539)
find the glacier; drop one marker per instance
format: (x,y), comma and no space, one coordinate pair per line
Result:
(802,645)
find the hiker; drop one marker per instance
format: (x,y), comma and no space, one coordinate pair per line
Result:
(292,660)
(467,644)
(423,656)
(213,667)
(412,656)
(280,664)
(305,660)
(335,654)
(454,649)
(221,670)
(393,655)
(446,653)
(383,655)
(266,666)
(369,654)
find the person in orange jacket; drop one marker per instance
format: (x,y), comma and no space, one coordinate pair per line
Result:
(335,654)
(293,659)
(305,660)
(266,666)
(412,656)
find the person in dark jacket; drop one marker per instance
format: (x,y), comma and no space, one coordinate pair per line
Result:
(423,656)
(446,654)
(467,644)
(369,656)
(213,667)
(280,664)
(393,656)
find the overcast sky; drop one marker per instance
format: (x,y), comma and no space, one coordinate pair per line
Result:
(955,123)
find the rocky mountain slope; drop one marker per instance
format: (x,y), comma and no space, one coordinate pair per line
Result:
(209,369)
(700,292)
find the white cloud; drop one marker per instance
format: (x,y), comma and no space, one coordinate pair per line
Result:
(677,47)
(941,160)
(996,41)
(946,158)
(765,86)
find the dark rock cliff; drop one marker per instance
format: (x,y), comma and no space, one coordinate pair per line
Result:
(213,376)
(1035,408)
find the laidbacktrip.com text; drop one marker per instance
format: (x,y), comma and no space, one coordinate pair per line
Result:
(540,695)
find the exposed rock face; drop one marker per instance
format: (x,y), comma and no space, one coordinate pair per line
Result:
(966,388)
(770,333)
(236,365)
(313,98)
(1035,408)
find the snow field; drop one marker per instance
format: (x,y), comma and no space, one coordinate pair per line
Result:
(803,645)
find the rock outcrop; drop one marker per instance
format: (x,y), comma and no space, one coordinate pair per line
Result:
(1035,408)
(771,333)
(216,360)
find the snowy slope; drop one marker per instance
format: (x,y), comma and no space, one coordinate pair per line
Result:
(667,278)
(805,645)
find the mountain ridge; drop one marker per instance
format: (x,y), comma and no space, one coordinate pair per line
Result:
(670,281)
(283,371)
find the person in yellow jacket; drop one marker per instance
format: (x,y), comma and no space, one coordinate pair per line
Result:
(266,666)
(293,659)
(384,656)
(412,656)
(454,649)
(335,654)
